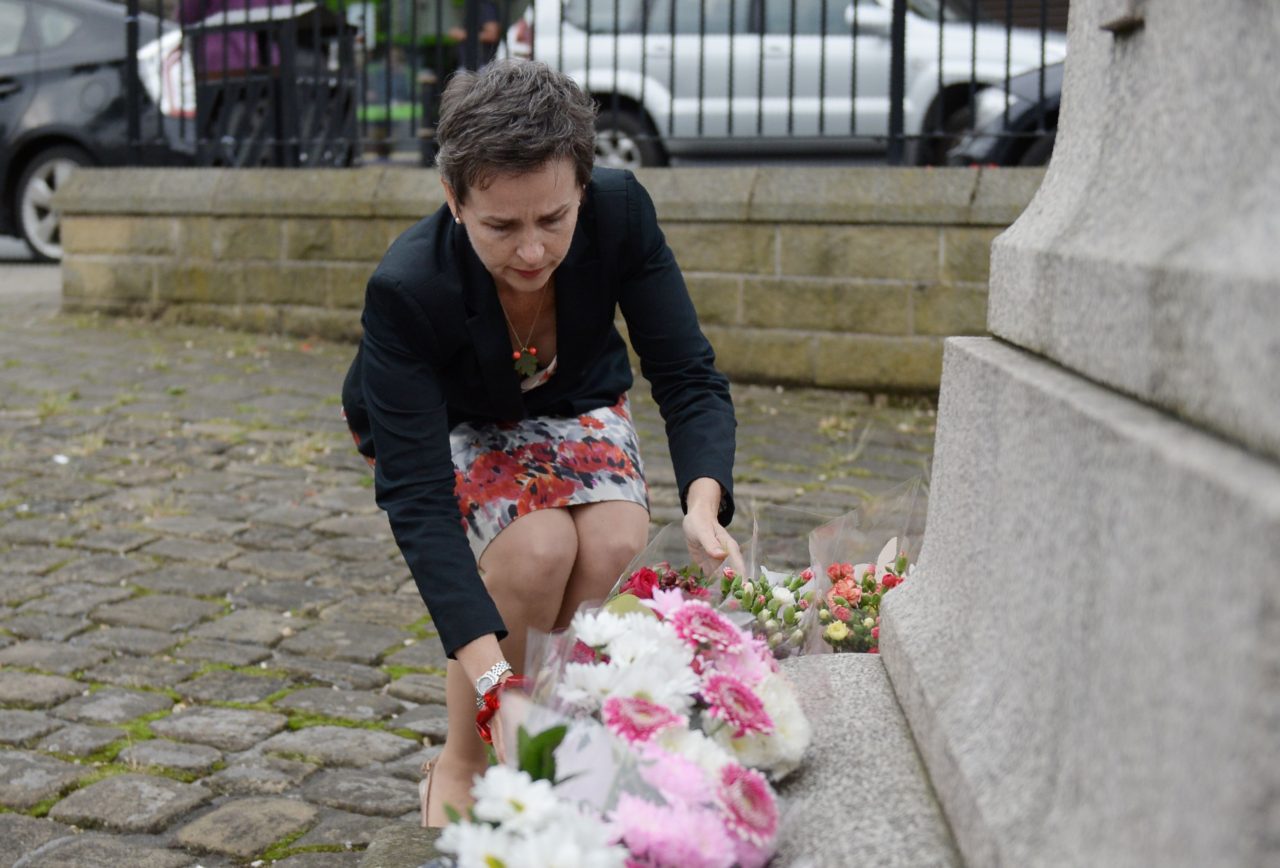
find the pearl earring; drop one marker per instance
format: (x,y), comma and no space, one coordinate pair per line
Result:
(457,219)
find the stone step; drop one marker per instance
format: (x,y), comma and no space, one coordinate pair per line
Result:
(863,796)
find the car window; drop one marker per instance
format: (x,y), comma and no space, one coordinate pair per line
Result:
(605,16)
(55,26)
(13,21)
(712,17)
(809,17)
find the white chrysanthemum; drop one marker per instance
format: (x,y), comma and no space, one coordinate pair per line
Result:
(576,840)
(477,845)
(780,752)
(695,747)
(585,685)
(659,677)
(505,795)
(648,637)
(598,628)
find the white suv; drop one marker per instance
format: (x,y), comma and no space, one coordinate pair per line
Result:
(699,77)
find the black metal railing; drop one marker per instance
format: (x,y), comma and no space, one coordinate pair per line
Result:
(335,82)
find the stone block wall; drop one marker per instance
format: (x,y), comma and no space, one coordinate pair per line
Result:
(843,277)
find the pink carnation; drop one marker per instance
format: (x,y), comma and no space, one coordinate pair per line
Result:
(751,814)
(846,588)
(840,613)
(637,719)
(840,571)
(703,627)
(731,700)
(806,574)
(677,836)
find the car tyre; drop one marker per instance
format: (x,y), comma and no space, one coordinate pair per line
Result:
(1039,152)
(624,141)
(39,224)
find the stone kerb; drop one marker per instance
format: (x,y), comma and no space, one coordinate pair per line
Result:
(829,276)
(1149,261)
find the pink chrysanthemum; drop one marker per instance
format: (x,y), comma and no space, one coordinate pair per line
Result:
(637,719)
(732,701)
(677,778)
(703,627)
(672,837)
(751,814)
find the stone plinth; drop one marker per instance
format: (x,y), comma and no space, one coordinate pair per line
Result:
(1088,652)
(1148,259)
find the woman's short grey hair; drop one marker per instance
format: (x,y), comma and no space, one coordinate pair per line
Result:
(512,117)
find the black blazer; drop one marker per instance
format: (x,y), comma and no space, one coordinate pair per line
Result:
(436,353)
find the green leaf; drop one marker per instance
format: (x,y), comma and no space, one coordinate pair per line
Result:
(536,753)
(452,813)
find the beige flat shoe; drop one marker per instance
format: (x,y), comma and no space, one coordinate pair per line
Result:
(424,789)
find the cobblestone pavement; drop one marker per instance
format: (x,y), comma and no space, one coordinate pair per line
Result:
(210,651)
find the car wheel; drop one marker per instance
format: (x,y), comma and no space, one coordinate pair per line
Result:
(39,224)
(623,141)
(933,151)
(1039,152)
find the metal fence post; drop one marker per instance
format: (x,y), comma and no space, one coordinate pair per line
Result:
(897,82)
(132,96)
(472,39)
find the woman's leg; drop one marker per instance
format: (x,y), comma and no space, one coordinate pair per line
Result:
(525,570)
(610,534)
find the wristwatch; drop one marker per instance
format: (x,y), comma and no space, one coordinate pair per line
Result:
(489,680)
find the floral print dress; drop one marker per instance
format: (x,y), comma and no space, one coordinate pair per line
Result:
(508,469)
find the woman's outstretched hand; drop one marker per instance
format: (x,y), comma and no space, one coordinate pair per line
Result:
(710,545)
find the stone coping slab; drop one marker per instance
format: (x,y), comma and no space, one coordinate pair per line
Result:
(804,194)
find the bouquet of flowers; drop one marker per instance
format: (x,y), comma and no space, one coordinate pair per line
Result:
(696,720)
(853,582)
(850,611)
(653,570)
(778,604)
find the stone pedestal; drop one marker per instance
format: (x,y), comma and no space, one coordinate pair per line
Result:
(1089,652)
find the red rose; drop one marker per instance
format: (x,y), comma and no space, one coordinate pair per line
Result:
(642,583)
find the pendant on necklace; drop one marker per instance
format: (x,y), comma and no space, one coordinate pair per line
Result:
(526,362)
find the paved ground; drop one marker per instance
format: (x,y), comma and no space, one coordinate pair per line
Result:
(210,651)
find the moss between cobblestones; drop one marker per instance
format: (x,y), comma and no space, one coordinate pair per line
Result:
(401,671)
(280,849)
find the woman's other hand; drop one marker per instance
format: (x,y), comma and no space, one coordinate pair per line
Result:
(710,545)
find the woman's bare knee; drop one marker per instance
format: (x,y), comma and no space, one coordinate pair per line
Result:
(528,564)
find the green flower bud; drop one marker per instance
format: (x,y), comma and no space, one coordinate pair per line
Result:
(775,639)
(763,617)
(797,637)
(771,625)
(824,616)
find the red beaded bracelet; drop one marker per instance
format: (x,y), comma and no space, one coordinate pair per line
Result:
(492,701)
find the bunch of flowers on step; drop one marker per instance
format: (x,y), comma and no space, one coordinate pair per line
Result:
(850,611)
(518,819)
(778,603)
(698,720)
(664,577)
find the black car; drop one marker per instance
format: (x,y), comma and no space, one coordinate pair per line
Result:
(62,105)
(1026,137)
